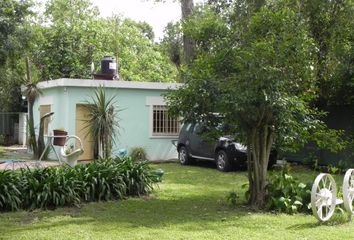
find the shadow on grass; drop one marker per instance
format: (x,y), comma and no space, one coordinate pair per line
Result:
(336,220)
(196,213)
(305,226)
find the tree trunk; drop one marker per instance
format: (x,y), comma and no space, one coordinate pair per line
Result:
(100,147)
(187,7)
(31,99)
(260,142)
(32,134)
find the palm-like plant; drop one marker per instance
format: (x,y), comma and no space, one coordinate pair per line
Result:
(102,121)
(31,92)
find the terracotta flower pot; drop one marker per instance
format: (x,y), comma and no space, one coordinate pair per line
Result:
(59,141)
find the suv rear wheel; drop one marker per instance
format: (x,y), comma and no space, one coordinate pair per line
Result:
(183,156)
(222,161)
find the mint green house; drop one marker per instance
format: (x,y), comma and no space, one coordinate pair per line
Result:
(143,117)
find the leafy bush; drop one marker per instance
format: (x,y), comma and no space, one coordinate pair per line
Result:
(49,187)
(137,176)
(232,197)
(138,153)
(105,179)
(10,193)
(100,180)
(286,193)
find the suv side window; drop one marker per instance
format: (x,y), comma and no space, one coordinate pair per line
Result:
(198,129)
(188,127)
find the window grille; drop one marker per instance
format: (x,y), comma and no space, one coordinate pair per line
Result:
(164,125)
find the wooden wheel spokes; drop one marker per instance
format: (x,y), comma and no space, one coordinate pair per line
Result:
(348,191)
(323,197)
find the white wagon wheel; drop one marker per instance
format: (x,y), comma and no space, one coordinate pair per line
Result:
(348,190)
(323,197)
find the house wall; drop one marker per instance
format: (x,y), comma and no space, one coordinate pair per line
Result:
(22,129)
(135,116)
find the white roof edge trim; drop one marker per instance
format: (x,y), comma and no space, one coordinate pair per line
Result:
(68,82)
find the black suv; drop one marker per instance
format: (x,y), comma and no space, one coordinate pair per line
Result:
(227,154)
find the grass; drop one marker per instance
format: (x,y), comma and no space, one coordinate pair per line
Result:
(188,204)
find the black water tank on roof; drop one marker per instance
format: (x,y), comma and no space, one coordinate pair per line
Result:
(109,65)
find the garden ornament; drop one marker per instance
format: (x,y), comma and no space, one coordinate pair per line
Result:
(122,152)
(69,153)
(324,192)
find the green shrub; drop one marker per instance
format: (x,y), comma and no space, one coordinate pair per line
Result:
(286,193)
(10,194)
(138,153)
(137,175)
(49,187)
(231,198)
(102,180)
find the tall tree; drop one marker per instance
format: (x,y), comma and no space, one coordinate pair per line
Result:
(172,43)
(138,57)
(31,92)
(12,15)
(331,26)
(72,36)
(68,39)
(259,81)
(14,38)
(187,7)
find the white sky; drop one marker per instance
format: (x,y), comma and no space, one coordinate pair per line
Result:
(156,14)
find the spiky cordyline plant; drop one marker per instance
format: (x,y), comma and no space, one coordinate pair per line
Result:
(102,120)
(31,92)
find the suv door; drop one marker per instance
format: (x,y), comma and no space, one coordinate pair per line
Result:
(193,140)
(200,147)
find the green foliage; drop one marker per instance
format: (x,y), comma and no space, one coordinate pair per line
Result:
(49,187)
(172,43)
(139,59)
(232,198)
(14,42)
(189,205)
(103,180)
(10,191)
(259,81)
(333,169)
(287,194)
(102,121)
(65,39)
(77,36)
(100,180)
(138,153)
(13,14)
(137,175)
(331,24)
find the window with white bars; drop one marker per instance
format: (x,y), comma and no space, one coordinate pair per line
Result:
(162,124)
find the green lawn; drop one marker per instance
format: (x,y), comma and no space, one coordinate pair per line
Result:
(188,204)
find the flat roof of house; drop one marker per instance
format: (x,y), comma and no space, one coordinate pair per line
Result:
(69,82)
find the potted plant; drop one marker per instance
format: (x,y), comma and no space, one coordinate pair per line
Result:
(59,136)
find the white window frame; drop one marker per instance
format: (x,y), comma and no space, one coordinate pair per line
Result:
(157,101)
